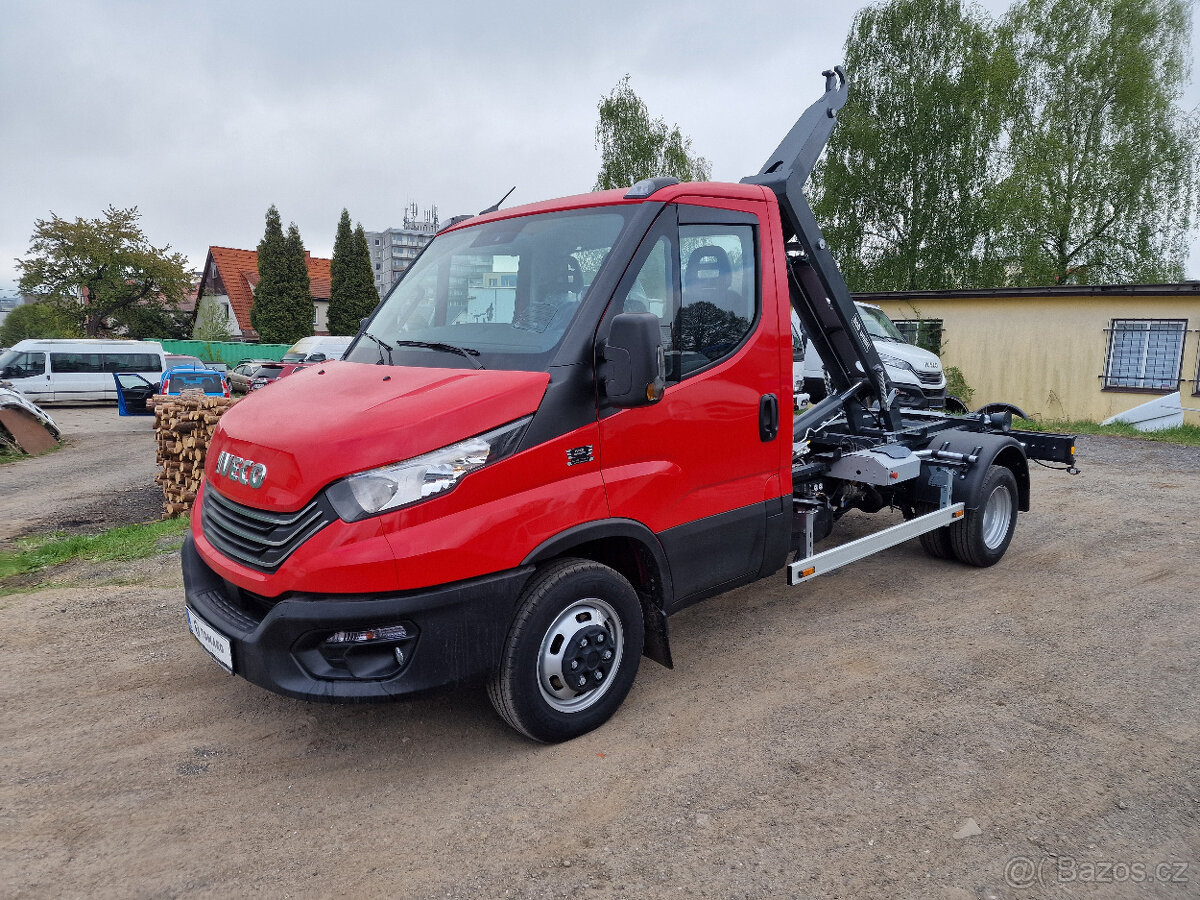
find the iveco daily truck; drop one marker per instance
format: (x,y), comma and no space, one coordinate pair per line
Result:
(567,422)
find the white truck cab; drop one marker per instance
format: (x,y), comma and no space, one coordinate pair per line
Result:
(317,348)
(915,372)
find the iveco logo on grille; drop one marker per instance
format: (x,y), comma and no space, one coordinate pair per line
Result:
(245,471)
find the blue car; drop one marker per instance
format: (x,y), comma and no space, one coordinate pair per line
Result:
(134,391)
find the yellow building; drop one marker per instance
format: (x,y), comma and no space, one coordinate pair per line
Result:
(1069,352)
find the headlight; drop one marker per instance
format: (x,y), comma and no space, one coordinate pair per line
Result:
(895,362)
(405,483)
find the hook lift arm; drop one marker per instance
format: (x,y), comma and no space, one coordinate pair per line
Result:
(818,291)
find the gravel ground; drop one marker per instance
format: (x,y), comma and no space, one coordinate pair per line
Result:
(903,728)
(102,475)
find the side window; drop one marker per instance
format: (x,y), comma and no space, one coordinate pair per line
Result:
(720,289)
(26,365)
(654,290)
(76,363)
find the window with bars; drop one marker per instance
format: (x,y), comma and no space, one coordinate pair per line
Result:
(1145,354)
(924,333)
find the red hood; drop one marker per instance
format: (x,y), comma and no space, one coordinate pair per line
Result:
(337,418)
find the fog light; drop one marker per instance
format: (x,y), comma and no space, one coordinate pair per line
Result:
(386,633)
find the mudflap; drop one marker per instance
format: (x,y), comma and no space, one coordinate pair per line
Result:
(657,644)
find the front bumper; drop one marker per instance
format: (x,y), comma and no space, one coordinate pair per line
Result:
(457,633)
(920,397)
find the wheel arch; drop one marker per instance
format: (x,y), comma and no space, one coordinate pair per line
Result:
(632,550)
(992,449)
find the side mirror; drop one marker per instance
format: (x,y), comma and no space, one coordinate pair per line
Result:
(633,368)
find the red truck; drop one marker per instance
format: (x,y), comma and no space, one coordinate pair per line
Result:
(567,422)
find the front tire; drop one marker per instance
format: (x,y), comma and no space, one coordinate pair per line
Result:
(577,619)
(985,532)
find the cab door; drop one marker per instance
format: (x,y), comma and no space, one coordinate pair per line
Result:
(702,467)
(28,373)
(133,394)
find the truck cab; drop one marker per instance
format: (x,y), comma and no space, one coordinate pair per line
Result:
(469,437)
(914,371)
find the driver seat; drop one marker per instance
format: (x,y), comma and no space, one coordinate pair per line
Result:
(708,277)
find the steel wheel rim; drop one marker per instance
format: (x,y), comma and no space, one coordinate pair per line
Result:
(565,632)
(996,515)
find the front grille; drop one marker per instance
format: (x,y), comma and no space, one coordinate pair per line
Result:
(260,538)
(929,377)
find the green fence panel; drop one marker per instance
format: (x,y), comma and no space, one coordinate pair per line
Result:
(228,352)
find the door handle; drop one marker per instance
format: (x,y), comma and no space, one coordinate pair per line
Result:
(768,417)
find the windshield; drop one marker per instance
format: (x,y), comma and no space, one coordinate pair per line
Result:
(498,295)
(879,325)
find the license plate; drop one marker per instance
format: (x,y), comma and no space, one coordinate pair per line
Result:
(210,639)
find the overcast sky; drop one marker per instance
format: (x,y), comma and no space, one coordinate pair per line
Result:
(204,113)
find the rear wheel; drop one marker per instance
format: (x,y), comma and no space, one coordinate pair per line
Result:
(935,543)
(572,652)
(985,532)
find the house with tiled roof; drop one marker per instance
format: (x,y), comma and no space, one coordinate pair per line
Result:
(230,277)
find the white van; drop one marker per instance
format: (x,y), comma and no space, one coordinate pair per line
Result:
(317,348)
(68,369)
(916,373)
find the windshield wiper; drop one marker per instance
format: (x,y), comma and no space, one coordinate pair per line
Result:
(469,352)
(382,346)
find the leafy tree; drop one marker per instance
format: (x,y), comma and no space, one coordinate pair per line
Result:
(633,146)
(905,193)
(352,293)
(38,320)
(212,321)
(283,306)
(105,274)
(1102,182)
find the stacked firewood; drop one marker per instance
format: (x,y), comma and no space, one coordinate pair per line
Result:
(184,426)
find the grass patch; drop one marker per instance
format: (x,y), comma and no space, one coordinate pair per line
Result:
(1184,434)
(125,542)
(10,452)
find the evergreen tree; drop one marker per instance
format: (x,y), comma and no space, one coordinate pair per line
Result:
(352,294)
(301,311)
(283,307)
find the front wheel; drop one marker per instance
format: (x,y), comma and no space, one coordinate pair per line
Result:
(572,652)
(985,532)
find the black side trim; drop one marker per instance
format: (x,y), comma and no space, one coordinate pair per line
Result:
(717,553)
(779,536)
(577,535)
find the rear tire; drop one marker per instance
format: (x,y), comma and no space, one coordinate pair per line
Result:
(985,532)
(576,619)
(935,543)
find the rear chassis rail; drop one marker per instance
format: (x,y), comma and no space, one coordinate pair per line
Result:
(925,435)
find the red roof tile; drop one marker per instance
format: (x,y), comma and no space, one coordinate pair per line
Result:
(239,273)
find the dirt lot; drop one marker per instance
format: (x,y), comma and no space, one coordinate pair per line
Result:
(904,728)
(100,477)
